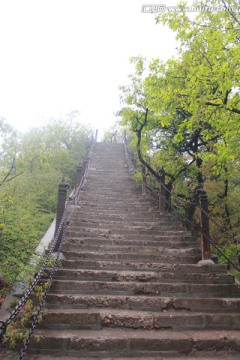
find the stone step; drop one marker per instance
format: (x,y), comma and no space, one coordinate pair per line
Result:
(93,319)
(114,178)
(112,193)
(112,219)
(98,230)
(135,213)
(117,190)
(183,237)
(125,342)
(124,221)
(194,356)
(139,266)
(99,176)
(108,167)
(178,257)
(117,198)
(140,219)
(74,244)
(148,250)
(143,276)
(115,226)
(118,209)
(83,213)
(139,288)
(106,235)
(152,303)
(106,250)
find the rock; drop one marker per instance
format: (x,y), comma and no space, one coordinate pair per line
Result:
(205,262)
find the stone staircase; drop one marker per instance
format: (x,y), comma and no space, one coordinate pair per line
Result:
(130,286)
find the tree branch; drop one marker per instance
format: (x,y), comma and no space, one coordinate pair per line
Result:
(231,13)
(9,171)
(237,111)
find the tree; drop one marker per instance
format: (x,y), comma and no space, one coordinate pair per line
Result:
(9,144)
(191,131)
(28,202)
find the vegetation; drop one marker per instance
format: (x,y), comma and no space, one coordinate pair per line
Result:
(32,166)
(183,114)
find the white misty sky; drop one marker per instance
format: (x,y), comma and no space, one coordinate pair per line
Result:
(64,55)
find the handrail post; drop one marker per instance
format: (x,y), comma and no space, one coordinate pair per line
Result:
(79,173)
(162,194)
(203,202)
(85,164)
(144,180)
(62,196)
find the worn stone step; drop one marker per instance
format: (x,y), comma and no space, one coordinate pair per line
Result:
(109,342)
(120,251)
(106,235)
(135,319)
(124,229)
(144,302)
(74,244)
(162,236)
(175,236)
(114,174)
(178,256)
(149,241)
(115,179)
(126,226)
(114,200)
(149,288)
(130,237)
(120,209)
(148,250)
(127,203)
(121,232)
(134,213)
(81,221)
(130,204)
(223,356)
(114,196)
(127,214)
(143,276)
(113,185)
(139,266)
(141,218)
(97,168)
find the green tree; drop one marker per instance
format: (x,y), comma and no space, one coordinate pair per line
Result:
(185,111)
(28,202)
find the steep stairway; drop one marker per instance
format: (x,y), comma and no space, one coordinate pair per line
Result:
(130,286)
